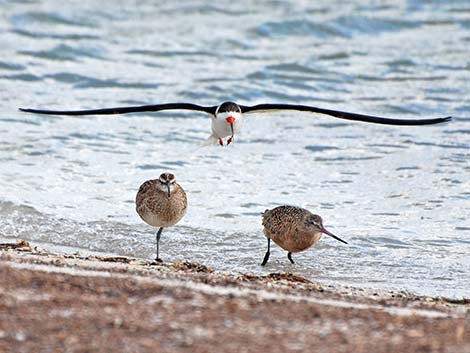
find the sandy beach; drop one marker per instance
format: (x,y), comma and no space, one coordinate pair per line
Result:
(69,303)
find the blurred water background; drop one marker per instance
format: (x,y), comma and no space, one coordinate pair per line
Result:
(399,195)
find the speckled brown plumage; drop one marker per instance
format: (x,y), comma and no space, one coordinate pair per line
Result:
(161,203)
(155,207)
(288,227)
(293,228)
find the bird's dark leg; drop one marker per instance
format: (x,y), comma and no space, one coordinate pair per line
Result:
(266,256)
(289,256)
(159,233)
(221,142)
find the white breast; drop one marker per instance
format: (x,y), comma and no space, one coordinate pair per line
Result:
(221,128)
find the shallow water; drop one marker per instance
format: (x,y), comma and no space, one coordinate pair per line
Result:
(399,195)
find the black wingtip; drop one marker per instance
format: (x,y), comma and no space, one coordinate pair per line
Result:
(38,111)
(28,110)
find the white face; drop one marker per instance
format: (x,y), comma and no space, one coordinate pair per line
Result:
(167,178)
(221,124)
(167,181)
(225,115)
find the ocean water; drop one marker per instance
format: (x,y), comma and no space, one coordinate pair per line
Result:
(399,195)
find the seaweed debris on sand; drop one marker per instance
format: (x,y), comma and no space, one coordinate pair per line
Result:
(55,301)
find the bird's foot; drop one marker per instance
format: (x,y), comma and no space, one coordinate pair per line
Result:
(229,140)
(158,260)
(221,142)
(266,258)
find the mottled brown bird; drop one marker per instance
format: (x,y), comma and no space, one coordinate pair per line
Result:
(293,228)
(161,203)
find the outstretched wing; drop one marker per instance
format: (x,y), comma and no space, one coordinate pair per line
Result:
(259,108)
(126,110)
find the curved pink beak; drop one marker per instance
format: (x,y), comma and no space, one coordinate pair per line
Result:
(323,230)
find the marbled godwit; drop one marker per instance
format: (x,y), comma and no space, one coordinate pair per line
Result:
(293,228)
(161,203)
(227,117)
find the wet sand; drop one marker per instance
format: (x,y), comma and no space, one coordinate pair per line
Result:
(59,302)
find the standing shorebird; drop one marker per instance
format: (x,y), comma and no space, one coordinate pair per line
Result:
(161,203)
(227,117)
(293,228)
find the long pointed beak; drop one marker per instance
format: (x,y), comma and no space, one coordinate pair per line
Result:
(168,187)
(323,230)
(230,120)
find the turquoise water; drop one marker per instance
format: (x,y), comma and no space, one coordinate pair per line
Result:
(399,195)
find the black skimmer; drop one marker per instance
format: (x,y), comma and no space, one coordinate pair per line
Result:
(227,117)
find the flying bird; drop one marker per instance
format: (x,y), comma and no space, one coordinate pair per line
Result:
(227,117)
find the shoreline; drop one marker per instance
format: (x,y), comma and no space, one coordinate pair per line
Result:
(183,307)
